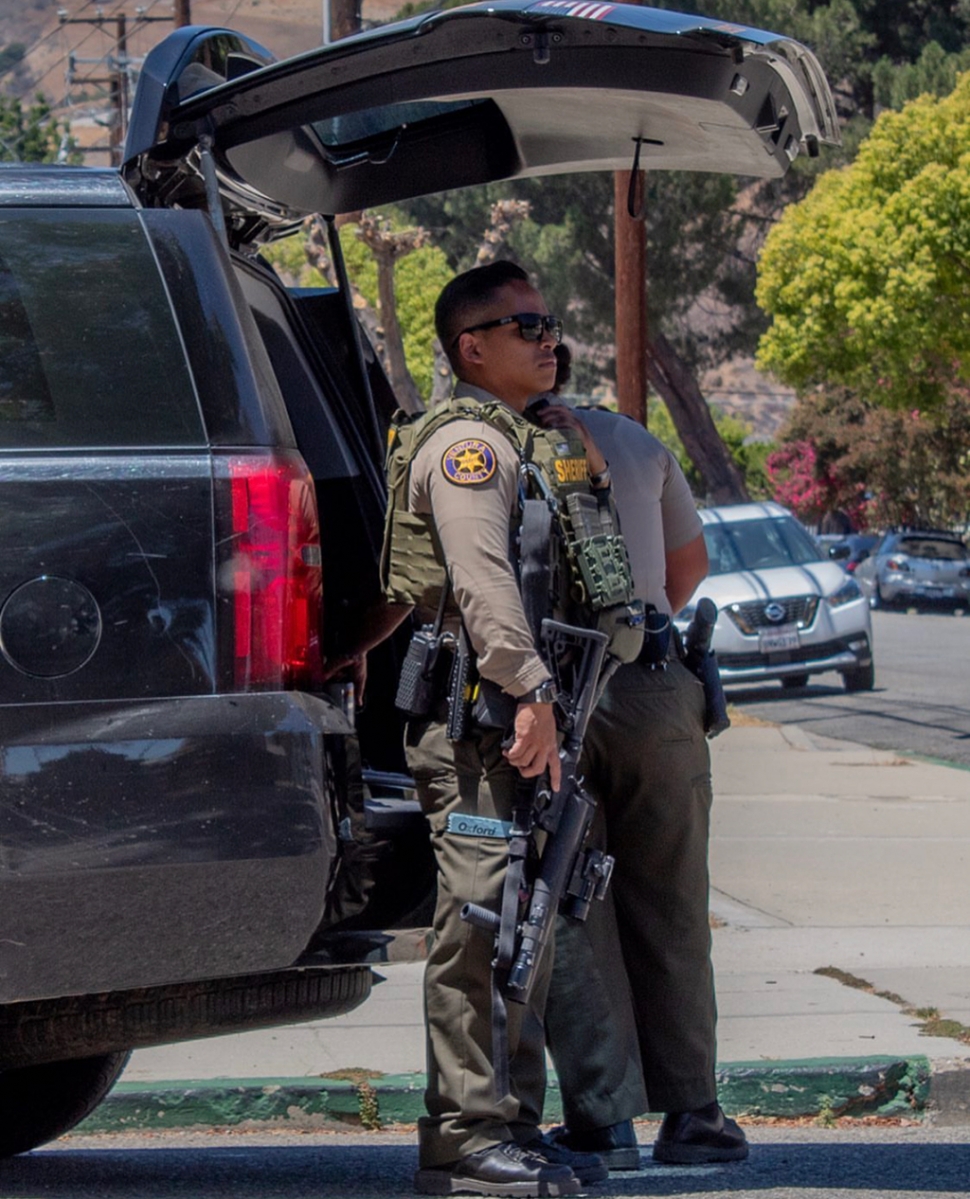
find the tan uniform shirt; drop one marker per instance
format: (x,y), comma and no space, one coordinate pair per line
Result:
(466,478)
(657,511)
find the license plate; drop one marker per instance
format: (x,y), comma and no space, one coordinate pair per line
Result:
(784,637)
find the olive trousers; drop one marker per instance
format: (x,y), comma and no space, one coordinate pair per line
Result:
(467,789)
(631,1015)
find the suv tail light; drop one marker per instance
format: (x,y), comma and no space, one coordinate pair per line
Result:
(899,564)
(270,576)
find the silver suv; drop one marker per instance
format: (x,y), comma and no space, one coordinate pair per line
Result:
(786,610)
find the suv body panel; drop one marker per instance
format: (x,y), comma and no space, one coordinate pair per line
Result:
(161,842)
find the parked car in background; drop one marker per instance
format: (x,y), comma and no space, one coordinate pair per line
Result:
(197,833)
(785,609)
(917,566)
(848,549)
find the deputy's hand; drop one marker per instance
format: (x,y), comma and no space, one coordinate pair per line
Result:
(558,416)
(535,747)
(352,664)
(359,667)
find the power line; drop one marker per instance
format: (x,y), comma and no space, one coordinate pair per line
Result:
(737,391)
(120,67)
(46,37)
(33,86)
(141,18)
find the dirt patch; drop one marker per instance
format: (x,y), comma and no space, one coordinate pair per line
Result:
(743,720)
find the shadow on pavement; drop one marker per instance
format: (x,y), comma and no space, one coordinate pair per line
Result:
(840,1167)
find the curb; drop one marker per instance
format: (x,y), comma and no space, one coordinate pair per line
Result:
(822,1087)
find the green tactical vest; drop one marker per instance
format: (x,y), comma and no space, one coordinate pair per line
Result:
(591,569)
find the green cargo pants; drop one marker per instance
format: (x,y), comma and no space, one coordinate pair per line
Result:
(466,789)
(637,975)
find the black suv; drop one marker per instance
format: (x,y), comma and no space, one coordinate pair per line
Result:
(197,834)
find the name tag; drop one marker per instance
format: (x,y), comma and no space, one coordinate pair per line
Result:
(478,826)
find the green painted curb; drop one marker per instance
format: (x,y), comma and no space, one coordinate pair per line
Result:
(883,1086)
(824,1087)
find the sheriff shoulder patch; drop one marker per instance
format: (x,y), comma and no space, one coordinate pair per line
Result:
(469,461)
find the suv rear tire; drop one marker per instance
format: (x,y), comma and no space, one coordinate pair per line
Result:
(39,1103)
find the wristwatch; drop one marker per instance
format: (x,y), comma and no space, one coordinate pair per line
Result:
(545,693)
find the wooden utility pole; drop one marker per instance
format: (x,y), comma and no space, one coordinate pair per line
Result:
(183,13)
(117,80)
(630,263)
(118,92)
(344,18)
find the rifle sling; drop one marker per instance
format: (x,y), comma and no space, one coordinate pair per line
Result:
(535,541)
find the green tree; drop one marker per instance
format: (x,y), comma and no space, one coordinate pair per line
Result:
(10,55)
(32,134)
(418,280)
(867,280)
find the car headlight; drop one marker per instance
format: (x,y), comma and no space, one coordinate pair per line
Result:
(849,591)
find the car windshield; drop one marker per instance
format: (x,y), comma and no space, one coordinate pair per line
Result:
(933,547)
(758,545)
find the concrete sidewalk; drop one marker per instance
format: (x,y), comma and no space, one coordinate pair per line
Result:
(825,856)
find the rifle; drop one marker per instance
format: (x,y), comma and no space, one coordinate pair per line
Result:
(700,660)
(567,878)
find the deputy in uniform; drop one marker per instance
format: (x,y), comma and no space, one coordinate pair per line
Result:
(639,970)
(452,523)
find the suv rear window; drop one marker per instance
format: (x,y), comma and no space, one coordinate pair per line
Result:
(933,547)
(89,352)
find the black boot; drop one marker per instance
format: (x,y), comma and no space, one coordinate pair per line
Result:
(588,1167)
(616,1144)
(505,1169)
(704,1135)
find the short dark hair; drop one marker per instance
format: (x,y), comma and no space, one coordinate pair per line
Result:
(467,294)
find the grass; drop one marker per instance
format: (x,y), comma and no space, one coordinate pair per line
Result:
(930,1020)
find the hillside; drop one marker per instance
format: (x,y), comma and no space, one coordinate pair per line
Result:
(738,390)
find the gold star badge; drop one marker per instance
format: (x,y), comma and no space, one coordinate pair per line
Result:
(468,462)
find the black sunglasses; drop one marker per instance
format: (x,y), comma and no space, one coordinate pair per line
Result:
(531,326)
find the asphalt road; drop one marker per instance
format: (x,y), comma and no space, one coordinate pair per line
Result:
(921,702)
(899,1162)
